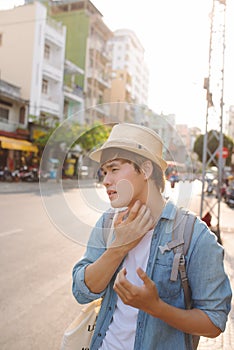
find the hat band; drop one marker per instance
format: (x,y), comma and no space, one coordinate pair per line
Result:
(124,143)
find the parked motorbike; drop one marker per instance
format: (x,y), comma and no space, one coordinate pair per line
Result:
(15,175)
(5,174)
(229,196)
(210,188)
(28,175)
(43,175)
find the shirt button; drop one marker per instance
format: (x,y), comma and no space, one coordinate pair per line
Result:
(99,334)
(110,307)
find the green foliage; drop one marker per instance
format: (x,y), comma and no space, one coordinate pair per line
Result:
(91,138)
(212,146)
(88,138)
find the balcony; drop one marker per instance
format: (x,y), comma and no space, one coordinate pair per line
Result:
(55,32)
(5,125)
(52,72)
(98,76)
(73,93)
(100,50)
(49,105)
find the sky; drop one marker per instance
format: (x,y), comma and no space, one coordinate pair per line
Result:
(175,35)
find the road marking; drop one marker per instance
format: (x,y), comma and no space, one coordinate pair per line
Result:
(8,233)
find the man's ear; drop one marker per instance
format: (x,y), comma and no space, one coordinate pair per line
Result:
(147,169)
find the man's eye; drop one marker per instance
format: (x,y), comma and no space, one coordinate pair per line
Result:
(114,169)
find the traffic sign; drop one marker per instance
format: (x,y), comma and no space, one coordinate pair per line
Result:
(224,152)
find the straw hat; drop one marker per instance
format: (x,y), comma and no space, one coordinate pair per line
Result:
(134,138)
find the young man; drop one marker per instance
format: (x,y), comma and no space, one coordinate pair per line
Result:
(142,308)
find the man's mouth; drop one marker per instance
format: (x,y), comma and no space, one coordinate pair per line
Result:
(111,193)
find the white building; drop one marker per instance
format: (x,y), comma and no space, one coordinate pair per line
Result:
(32,49)
(128,55)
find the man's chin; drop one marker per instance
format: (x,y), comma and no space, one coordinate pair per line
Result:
(118,204)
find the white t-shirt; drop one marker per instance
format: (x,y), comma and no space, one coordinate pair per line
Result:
(121,332)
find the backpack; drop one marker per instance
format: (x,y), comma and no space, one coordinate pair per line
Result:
(181,238)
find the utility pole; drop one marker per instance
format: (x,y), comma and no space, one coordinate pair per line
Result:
(214,85)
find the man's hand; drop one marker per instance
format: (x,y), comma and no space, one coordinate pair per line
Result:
(144,298)
(131,226)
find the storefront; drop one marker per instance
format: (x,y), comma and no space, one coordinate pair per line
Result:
(16,152)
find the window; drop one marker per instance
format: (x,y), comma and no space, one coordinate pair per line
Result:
(100,99)
(44,88)
(4,114)
(42,119)
(47,51)
(22,115)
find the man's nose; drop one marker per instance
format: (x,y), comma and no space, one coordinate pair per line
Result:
(107,179)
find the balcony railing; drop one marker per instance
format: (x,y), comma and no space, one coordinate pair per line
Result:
(95,74)
(6,125)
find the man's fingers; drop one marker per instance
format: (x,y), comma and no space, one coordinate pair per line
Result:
(143,276)
(121,284)
(120,217)
(134,211)
(147,219)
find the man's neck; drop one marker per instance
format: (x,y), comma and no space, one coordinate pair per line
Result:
(155,201)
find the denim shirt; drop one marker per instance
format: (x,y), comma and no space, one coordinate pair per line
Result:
(210,285)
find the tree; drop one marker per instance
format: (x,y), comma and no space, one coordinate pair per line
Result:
(94,137)
(72,134)
(212,146)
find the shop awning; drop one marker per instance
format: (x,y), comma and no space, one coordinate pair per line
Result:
(15,144)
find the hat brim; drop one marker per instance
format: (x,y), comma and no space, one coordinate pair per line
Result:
(96,155)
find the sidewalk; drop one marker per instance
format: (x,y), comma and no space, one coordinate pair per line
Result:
(226,340)
(50,185)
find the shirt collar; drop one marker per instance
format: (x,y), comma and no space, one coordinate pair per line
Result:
(169,211)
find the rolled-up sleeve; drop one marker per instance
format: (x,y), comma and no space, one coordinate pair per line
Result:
(210,285)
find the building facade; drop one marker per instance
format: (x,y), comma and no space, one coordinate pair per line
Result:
(32,49)
(87,36)
(129,75)
(32,57)
(13,127)
(128,55)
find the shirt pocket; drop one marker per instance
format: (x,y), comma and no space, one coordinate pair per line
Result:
(167,289)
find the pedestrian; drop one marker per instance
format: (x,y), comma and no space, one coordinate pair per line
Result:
(141,307)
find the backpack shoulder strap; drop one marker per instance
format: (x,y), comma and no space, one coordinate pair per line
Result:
(181,237)
(189,227)
(182,233)
(184,225)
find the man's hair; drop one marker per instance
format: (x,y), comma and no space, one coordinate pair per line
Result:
(157,174)
(137,160)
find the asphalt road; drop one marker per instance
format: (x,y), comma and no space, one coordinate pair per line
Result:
(38,248)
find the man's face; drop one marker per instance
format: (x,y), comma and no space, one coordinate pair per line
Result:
(123,183)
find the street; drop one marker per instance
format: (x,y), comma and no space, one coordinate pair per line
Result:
(39,235)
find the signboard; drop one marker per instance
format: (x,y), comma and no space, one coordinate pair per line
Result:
(224,152)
